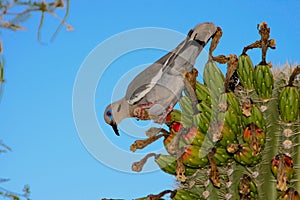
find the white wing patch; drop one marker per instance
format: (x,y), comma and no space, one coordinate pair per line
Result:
(138,96)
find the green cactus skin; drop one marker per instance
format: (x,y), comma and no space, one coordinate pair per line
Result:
(187,112)
(196,137)
(264,82)
(296,158)
(222,157)
(231,100)
(174,115)
(194,157)
(231,119)
(272,146)
(256,117)
(245,72)
(168,164)
(206,109)
(213,79)
(202,119)
(245,156)
(185,195)
(228,136)
(202,93)
(289,104)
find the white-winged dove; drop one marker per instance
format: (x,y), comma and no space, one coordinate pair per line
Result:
(153,93)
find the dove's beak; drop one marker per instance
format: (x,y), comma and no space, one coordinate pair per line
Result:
(115,127)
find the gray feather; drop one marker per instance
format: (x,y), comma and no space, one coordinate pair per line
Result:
(165,70)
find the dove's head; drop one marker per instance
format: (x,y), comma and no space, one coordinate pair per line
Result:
(115,113)
(109,119)
(203,32)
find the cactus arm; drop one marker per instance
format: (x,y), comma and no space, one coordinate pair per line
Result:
(265,178)
(297,161)
(235,177)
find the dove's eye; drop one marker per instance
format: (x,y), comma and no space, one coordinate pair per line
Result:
(109,114)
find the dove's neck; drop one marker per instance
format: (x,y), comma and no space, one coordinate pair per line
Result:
(121,110)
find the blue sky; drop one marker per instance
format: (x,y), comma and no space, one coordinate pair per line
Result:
(36,117)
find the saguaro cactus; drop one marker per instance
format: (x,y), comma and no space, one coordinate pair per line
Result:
(243,143)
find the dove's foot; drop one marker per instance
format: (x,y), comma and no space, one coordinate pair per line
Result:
(191,77)
(140,111)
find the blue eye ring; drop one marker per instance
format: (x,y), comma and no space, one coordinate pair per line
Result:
(109,114)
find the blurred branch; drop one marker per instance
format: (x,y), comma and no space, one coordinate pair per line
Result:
(4,148)
(6,194)
(14,12)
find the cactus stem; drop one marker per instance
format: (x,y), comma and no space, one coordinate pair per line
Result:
(268,190)
(293,76)
(140,144)
(138,166)
(214,173)
(234,177)
(296,159)
(163,193)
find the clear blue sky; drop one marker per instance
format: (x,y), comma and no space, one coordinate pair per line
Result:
(36,117)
